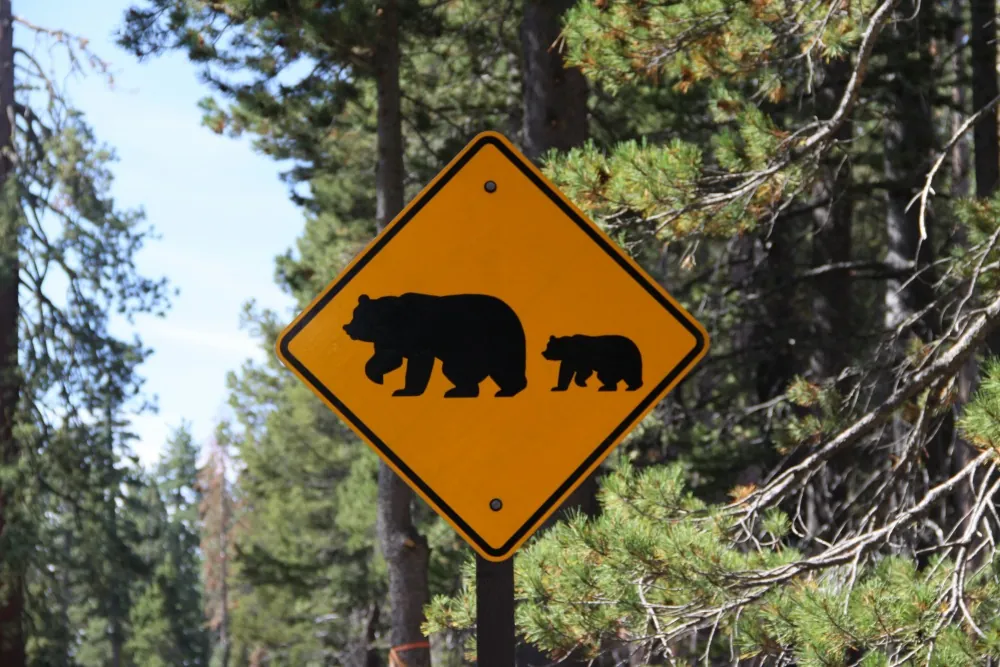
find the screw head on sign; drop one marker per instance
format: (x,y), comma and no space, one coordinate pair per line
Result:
(490,186)
(496,504)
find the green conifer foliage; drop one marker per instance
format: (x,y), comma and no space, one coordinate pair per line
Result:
(811,517)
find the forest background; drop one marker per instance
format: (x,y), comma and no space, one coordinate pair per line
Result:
(815,180)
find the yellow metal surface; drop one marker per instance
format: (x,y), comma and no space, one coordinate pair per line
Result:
(527,245)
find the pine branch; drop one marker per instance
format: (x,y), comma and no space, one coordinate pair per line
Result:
(945,365)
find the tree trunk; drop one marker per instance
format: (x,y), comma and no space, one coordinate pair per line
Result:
(555,97)
(405,551)
(961,159)
(555,117)
(982,39)
(778,330)
(11,586)
(831,320)
(961,154)
(909,136)
(832,240)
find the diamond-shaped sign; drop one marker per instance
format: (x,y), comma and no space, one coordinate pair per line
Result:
(493,345)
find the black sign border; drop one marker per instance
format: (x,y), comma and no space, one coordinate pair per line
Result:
(601,449)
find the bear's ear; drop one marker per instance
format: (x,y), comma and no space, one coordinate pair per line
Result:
(364,298)
(551,338)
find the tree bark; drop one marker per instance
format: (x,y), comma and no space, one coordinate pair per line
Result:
(11,587)
(985,87)
(779,328)
(961,159)
(831,320)
(405,551)
(982,39)
(555,117)
(909,136)
(555,97)
(832,240)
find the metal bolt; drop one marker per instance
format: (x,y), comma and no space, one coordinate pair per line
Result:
(491,187)
(495,504)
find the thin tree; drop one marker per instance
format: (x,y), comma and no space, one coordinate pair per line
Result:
(216,518)
(11,586)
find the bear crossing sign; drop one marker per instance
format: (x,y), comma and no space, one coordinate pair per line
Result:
(492,345)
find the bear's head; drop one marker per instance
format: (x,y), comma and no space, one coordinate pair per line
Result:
(372,320)
(556,349)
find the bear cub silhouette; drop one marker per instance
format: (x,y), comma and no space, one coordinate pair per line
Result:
(615,358)
(474,335)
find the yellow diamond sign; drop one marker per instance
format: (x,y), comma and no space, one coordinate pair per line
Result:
(492,345)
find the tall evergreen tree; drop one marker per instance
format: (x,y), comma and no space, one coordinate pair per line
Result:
(60,363)
(168,626)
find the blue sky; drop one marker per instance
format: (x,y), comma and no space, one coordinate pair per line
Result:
(220,209)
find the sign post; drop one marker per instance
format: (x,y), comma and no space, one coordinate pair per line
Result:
(492,345)
(495,637)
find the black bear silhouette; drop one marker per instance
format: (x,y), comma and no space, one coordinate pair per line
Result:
(614,358)
(474,335)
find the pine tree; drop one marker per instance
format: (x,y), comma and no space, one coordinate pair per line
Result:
(62,475)
(167,617)
(106,561)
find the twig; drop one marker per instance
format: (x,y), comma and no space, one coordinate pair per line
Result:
(927,189)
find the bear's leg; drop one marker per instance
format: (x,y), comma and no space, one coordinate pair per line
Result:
(633,377)
(464,375)
(582,375)
(609,381)
(510,388)
(566,372)
(418,374)
(510,379)
(467,391)
(382,362)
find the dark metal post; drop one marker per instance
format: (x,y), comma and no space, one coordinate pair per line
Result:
(495,612)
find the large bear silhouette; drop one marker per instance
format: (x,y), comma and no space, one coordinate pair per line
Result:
(615,358)
(474,335)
